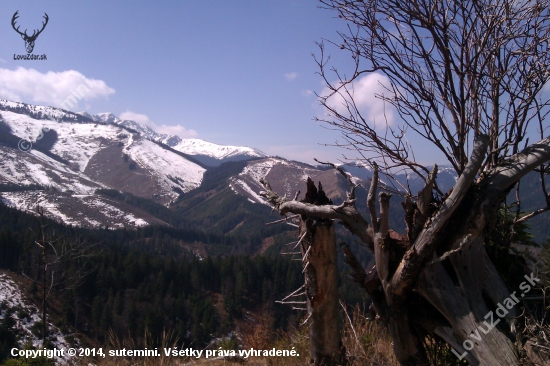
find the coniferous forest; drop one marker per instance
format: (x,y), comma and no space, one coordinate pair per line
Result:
(132,282)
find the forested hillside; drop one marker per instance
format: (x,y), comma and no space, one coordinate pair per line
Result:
(152,279)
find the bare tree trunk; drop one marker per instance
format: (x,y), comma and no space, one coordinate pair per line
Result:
(42,245)
(465,287)
(321,283)
(318,248)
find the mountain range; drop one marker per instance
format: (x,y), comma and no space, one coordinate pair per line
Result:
(102,171)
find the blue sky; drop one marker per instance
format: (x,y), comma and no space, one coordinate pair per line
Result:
(230,72)
(237,72)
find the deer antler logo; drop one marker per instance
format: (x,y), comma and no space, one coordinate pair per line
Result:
(29,40)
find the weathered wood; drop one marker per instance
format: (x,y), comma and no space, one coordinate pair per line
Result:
(425,243)
(465,310)
(407,345)
(410,208)
(517,166)
(424,208)
(348,214)
(372,196)
(318,248)
(381,249)
(321,277)
(534,354)
(369,281)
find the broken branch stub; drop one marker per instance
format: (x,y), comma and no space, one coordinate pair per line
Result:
(350,217)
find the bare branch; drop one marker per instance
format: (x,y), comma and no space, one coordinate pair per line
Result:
(352,186)
(425,243)
(291,302)
(371,196)
(282,220)
(517,166)
(295,293)
(349,215)
(531,214)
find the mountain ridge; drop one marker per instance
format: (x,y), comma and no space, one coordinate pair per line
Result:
(76,155)
(206,152)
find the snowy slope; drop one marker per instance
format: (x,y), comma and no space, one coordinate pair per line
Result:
(25,315)
(85,210)
(78,142)
(201,147)
(109,118)
(169,168)
(42,112)
(286,178)
(211,154)
(81,157)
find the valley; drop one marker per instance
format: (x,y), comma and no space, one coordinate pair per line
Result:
(179,226)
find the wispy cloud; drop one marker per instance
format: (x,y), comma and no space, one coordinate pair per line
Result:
(139,118)
(307,93)
(291,76)
(364,91)
(52,88)
(305,153)
(178,130)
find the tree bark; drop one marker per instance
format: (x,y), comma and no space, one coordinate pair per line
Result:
(318,249)
(321,284)
(470,329)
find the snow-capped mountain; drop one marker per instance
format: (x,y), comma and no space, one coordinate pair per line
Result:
(72,156)
(109,118)
(446,177)
(84,146)
(42,112)
(213,154)
(286,178)
(205,152)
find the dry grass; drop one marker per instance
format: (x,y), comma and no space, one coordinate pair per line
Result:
(256,331)
(168,340)
(366,343)
(535,332)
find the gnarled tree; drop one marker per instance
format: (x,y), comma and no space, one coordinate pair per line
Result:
(468,77)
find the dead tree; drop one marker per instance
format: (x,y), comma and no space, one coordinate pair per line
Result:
(468,79)
(319,261)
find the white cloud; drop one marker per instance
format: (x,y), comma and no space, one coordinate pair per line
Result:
(307,92)
(305,153)
(58,89)
(178,130)
(139,118)
(291,76)
(363,92)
